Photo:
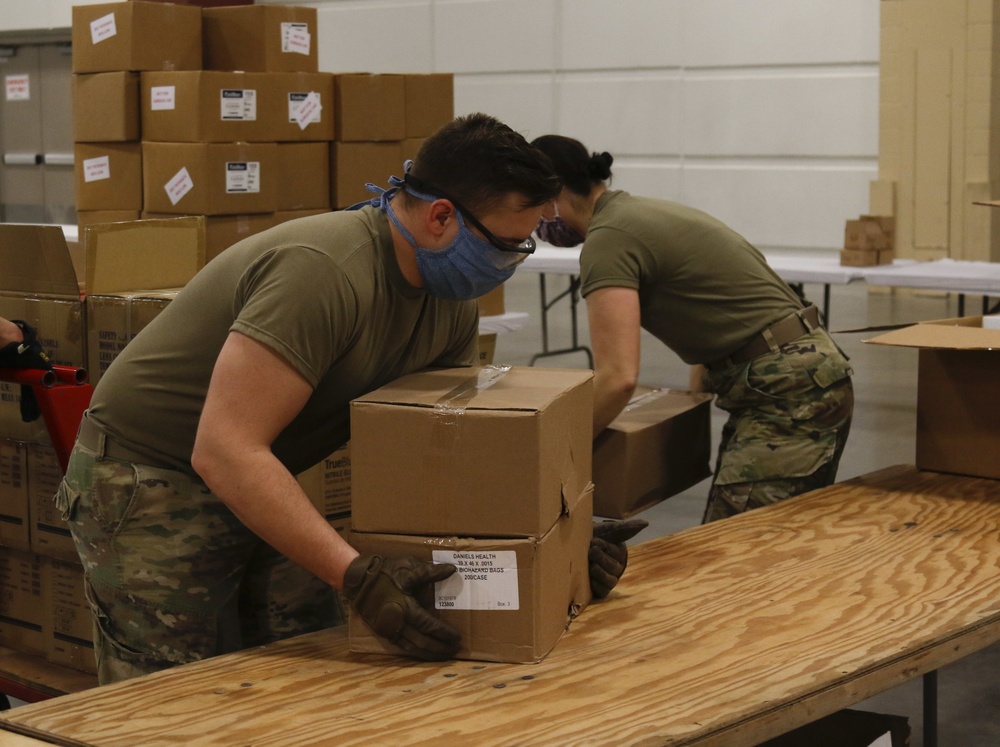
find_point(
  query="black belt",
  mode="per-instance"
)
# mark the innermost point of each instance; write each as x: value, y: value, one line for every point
x: 768, y: 340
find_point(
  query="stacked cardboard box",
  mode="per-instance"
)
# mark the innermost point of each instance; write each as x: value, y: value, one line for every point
x: 164, y: 125
x: 112, y: 42
x: 496, y: 480
x: 40, y: 285
x: 868, y: 241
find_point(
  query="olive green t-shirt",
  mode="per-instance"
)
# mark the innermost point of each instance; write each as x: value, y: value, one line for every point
x: 704, y: 290
x: 326, y: 294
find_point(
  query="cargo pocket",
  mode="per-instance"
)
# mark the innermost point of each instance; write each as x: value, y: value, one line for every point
x: 829, y: 371
x: 134, y: 636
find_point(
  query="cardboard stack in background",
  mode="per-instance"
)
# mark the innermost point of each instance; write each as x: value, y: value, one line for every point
x: 868, y: 241
x: 40, y: 285
x: 487, y: 468
x: 165, y: 126
x: 112, y: 43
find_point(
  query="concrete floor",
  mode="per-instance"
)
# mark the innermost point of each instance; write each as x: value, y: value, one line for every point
x: 882, y: 435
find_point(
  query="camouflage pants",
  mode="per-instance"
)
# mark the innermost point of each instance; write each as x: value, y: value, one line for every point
x: 172, y: 576
x: 789, y: 416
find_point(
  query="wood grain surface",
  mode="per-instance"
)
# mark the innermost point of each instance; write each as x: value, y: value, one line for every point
x: 726, y: 634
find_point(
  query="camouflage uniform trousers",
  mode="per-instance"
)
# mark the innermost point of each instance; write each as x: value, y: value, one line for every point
x: 789, y: 417
x: 172, y: 576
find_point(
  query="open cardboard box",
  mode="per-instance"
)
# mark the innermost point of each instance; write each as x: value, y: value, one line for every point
x: 957, y: 385
x: 133, y: 270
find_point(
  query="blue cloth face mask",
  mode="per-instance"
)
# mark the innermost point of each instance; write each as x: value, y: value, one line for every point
x: 469, y: 267
x: 558, y: 232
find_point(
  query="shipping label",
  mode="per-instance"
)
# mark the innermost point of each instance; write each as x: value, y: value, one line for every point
x: 95, y: 169
x: 238, y: 105
x: 485, y: 580
x: 179, y: 185
x: 242, y: 177
x: 304, y: 108
x: 295, y: 38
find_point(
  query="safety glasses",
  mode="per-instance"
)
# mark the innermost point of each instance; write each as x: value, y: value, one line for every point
x: 525, y: 248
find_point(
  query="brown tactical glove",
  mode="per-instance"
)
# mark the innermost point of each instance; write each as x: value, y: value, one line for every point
x: 608, y: 554
x: 393, y: 596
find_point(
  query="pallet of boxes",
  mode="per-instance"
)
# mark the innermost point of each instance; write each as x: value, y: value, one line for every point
x: 869, y: 240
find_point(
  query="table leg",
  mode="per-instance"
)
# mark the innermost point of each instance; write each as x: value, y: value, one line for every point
x: 930, y: 709
x: 573, y: 292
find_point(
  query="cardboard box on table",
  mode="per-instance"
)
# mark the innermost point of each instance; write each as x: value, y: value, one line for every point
x: 957, y: 386
x: 274, y: 38
x: 658, y: 446
x: 472, y: 452
x: 106, y: 107
x: 134, y: 270
x: 136, y: 36
x: 222, y: 231
x: 511, y: 599
x: 86, y: 218
x: 38, y: 283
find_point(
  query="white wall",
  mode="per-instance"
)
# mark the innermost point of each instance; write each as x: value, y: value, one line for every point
x: 763, y: 112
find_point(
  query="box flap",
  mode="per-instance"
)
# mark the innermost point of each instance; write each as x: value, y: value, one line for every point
x: 35, y: 259
x: 147, y: 254
x: 961, y: 333
x: 480, y: 388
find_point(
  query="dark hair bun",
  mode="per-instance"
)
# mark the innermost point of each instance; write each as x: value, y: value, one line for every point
x: 600, y: 165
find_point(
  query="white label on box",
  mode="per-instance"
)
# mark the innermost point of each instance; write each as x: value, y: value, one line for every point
x: 295, y: 38
x: 485, y: 580
x: 242, y: 177
x: 304, y: 108
x: 179, y: 185
x: 103, y: 28
x: 162, y: 98
x: 95, y: 169
x: 18, y: 87
x: 238, y: 105
x: 991, y: 322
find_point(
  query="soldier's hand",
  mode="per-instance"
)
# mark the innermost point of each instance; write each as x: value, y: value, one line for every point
x: 392, y: 594
x: 608, y: 555
x: 25, y: 354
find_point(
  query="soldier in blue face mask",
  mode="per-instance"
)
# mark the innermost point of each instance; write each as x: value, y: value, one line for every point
x: 180, y: 492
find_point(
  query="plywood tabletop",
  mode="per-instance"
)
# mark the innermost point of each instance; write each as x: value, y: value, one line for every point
x: 726, y: 634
